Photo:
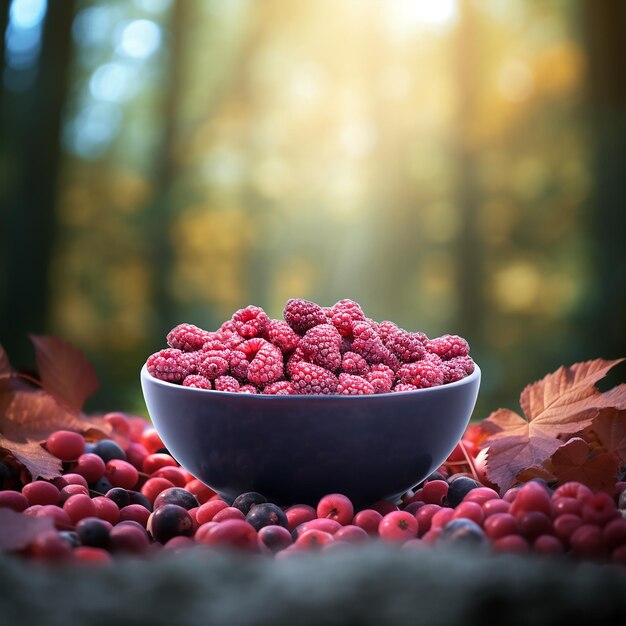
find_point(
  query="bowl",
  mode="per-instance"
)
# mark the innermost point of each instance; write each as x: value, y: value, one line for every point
x: 295, y: 449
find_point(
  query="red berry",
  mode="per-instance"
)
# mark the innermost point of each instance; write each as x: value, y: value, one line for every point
x: 176, y: 475
x: 87, y: 554
x: 13, y: 500
x: 587, y: 541
x: 129, y: 537
x: 90, y: 466
x: 251, y: 321
x: 65, y: 445
x: 79, y: 506
x: 425, y: 516
x: 197, y: 488
x: 72, y: 490
x: 448, y: 346
x: 548, y: 544
x: 197, y: 382
x: 258, y: 361
x: 151, y: 440
x: 481, y: 495
x: 337, y: 507
x: 325, y: 525
x: 121, y: 423
x: 353, y: 363
x: 599, y: 509
x: 299, y: 514
x: 441, y: 518
x: 350, y: 385
x: 511, y: 543
x: 532, y: 524
x: 121, y: 474
x: 368, y: 520
x: 234, y: 533
x: 532, y: 497
x: 136, y: 454
x: 381, y: 377
x: 398, y: 526
x: 500, y: 525
x: 60, y: 517
x: 615, y: 533
x: 408, y: 347
x: 41, y: 492
x: 106, y: 509
x: 351, y: 534
x: 302, y: 315
x: 187, y: 337
x: 170, y: 365
x: 208, y: 510
x: 573, y: 490
x: 282, y: 335
x: 154, y: 486
x: 422, y: 374
x: 435, y: 491
x: 321, y: 345
x: 469, y: 510
x: 566, y: 504
x: 229, y: 512
x: 280, y: 388
x: 50, y: 546
x: 313, y: 539
x: 565, y: 525
x: 312, y: 379
x: 153, y: 462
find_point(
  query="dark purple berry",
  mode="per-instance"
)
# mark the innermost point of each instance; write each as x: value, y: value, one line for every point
x: 463, y: 532
x: 176, y: 495
x: 459, y: 488
x: 120, y: 496
x: 170, y: 520
x: 266, y: 514
x: 93, y: 532
x: 136, y: 497
x: 102, y: 485
x: 107, y: 449
x: 275, y: 538
x: 246, y: 501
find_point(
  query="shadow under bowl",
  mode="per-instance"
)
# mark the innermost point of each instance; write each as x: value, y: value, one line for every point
x: 296, y: 449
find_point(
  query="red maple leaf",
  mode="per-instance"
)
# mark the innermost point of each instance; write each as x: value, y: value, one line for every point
x: 561, y: 404
x: 576, y: 461
x: 610, y: 429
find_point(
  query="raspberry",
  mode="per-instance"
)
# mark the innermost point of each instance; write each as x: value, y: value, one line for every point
x: 381, y: 378
x: 386, y: 328
x: 197, y: 382
x: 280, y: 388
x: 187, y: 337
x: 404, y: 387
x: 308, y: 378
x: 248, y: 389
x: 321, y: 345
x: 302, y: 315
x: 408, y: 347
x: 448, y: 346
x: 170, y: 364
x: 457, y: 368
x: 353, y: 363
x: 344, y: 314
x: 350, y: 385
x: 226, y: 383
x: 422, y: 374
x: 212, y: 364
x: 228, y: 335
x: 369, y: 345
x: 282, y: 335
x: 251, y: 321
x: 257, y: 360
x: 294, y: 359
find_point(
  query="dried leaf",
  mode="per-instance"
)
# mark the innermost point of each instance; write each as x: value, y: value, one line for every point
x: 35, y: 414
x: 563, y: 403
x: 575, y: 461
x: 39, y: 462
x: 64, y: 371
x: 19, y: 531
x: 610, y: 428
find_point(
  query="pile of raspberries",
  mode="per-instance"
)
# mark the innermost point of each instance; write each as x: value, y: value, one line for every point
x: 313, y: 350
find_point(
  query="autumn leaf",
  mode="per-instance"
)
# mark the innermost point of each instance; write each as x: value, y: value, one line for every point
x: 563, y: 403
x: 39, y: 462
x: 64, y: 371
x: 575, y: 461
x: 19, y: 531
x: 610, y: 428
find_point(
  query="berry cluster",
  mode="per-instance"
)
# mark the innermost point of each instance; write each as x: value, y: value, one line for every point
x: 134, y: 499
x: 313, y: 350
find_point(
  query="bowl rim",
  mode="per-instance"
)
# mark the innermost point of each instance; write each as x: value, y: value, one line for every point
x: 260, y: 397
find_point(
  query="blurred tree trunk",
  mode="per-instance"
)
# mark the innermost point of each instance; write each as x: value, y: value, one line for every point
x: 468, y: 260
x: 35, y: 117
x: 605, y: 26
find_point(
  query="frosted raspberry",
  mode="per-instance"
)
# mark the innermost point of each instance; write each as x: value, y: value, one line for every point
x: 251, y: 321
x: 248, y: 389
x: 448, y: 346
x: 350, y: 385
x: 344, y: 315
x: 369, y: 345
x: 212, y: 364
x: 294, y: 359
x: 424, y: 373
x: 381, y: 377
x: 457, y: 368
x: 226, y: 383
x: 346, y: 345
x: 386, y: 328
x: 187, y: 337
x: 308, y: 378
x: 303, y: 314
x: 215, y: 345
x: 353, y: 363
x: 280, y: 388
x: 197, y: 382
x: 404, y: 387
x: 228, y: 334
x: 257, y: 360
x: 321, y: 345
x: 328, y: 312
x: 282, y: 335
x: 170, y: 364
x: 408, y: 347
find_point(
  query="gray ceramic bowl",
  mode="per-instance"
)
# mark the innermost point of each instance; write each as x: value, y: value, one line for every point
x: 295, y: 449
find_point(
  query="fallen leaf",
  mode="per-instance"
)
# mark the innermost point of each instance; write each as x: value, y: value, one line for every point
x: 39, y: 462
x: 34, y: 414
x: 64, y: 371
x: 610, y: 428
x: 563, y: 403
x: 575, y: 461
x: 19, y: 530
